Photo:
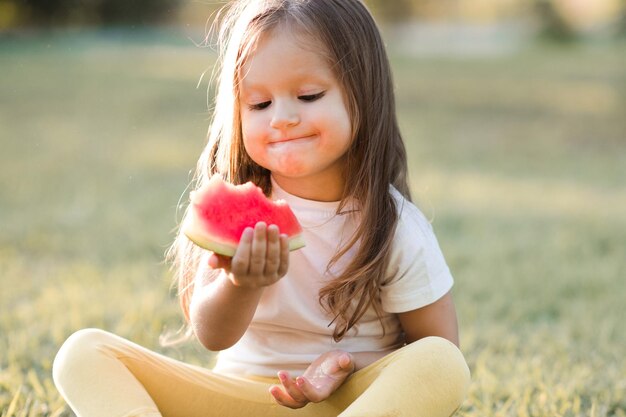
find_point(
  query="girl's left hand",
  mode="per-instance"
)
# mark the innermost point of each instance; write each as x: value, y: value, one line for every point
x: 318, y: 382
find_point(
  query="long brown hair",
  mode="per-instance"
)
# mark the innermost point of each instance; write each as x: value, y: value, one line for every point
x: 375, y: 160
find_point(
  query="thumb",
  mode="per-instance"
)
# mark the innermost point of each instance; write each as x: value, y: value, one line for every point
x: 345, y: 362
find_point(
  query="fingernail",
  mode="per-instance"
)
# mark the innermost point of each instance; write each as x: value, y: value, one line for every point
x: 300, y: 381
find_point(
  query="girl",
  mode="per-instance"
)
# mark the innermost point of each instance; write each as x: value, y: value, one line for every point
x: 360, y: 322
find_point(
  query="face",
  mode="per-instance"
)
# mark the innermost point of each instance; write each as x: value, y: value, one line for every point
x: 294, y: 117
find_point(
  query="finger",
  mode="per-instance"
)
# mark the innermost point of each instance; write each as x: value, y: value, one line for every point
x: 310, y: 392
x: 284, y: 256
x: 291, y: 388
x: 214, y: 261
x: 345, y: 362
x: 219, y: 261
x: 272, y: 258
x: 283, y: 398
x: 340, y: 364
x: 259, y: 249
x: 241, y: 260
x: 276, y: 393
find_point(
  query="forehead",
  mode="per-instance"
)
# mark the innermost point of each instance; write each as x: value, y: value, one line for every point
x: 286, y: 55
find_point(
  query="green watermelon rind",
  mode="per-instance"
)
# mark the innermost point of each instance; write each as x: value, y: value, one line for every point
x: 295, y: 242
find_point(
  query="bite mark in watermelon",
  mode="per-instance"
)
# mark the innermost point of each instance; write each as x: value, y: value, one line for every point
x: 220, y: 212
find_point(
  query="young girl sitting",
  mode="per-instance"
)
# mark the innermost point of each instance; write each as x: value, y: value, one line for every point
x: 359, y: 322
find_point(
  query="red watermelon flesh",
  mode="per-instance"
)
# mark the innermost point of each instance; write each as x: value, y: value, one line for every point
x: 220, y: 212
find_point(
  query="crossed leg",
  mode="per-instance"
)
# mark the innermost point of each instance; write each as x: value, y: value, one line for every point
x: 101, y: 374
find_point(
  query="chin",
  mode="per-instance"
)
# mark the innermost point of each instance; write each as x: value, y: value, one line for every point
x: 291, y: 171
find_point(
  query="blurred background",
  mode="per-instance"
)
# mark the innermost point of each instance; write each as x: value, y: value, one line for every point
x: 513, y: 115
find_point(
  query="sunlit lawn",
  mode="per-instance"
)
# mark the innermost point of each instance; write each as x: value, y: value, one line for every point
x: 519, y: 160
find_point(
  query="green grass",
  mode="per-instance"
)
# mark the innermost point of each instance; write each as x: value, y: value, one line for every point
x: 519, y: 160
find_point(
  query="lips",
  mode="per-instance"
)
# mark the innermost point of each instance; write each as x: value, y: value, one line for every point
x: 291, y: 139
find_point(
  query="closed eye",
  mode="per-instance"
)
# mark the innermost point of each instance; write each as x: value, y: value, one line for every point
x: 260, y: 106
x: 312, y: 97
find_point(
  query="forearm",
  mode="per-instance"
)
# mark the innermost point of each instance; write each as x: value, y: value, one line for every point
x: 363, y: 359
x: 220, y: 312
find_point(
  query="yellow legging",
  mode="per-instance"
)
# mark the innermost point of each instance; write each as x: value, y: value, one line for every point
x: 101, y: 374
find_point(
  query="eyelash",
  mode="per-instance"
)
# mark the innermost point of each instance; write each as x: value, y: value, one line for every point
x: 309, y: 98
x: 312, y: 97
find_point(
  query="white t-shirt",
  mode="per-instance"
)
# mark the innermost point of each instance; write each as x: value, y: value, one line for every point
x: 290, y: 328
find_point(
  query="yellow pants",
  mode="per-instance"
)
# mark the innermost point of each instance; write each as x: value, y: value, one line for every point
x: 101, y: 374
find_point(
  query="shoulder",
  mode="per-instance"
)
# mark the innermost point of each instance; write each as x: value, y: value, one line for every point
x: 413, y: 226
x: 417, y: 273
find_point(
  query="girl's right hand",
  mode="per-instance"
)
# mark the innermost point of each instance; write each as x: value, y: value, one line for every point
x: 261, y: 259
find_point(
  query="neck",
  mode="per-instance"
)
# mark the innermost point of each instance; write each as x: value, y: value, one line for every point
x: 317, y: 189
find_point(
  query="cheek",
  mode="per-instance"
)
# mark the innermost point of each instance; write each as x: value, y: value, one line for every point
x: 339, y: 128
x: 251, y: 135
x: 246, y: 127
x: 337, y: 120
x: 252, y: 148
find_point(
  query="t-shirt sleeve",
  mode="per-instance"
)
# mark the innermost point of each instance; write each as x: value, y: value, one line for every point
x: 417, y: 273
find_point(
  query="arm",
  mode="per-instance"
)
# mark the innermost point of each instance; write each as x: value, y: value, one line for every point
x: 223, y: 305
x: 220, y: 312
x: 436, y: 319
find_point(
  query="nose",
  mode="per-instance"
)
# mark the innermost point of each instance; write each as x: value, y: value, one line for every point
x: 285, y: 115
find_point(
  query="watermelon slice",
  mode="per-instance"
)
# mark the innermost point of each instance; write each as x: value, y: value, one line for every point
x: 220, y: 212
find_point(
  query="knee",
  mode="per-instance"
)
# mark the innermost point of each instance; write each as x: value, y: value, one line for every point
x: 447, y: 354
x: 444, y: 362
x: 78, y: 351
